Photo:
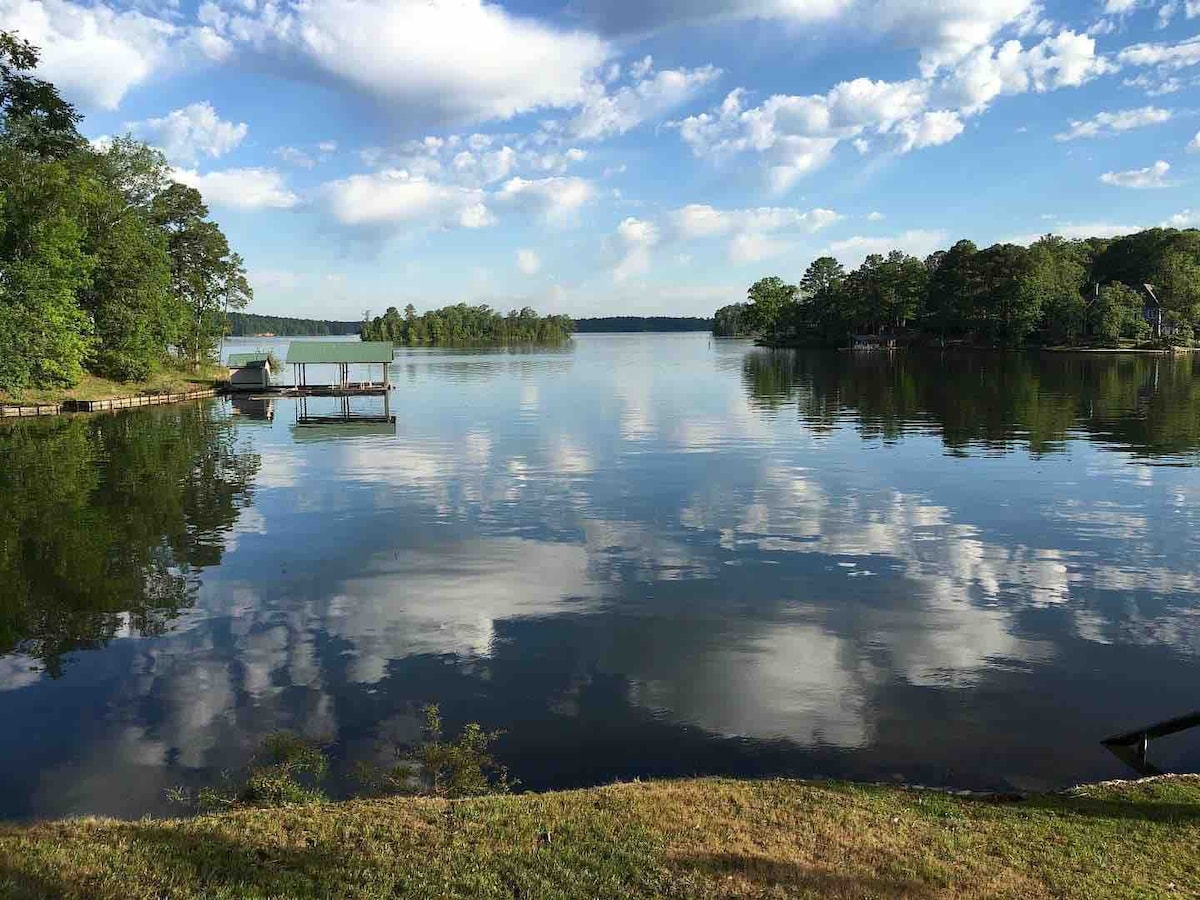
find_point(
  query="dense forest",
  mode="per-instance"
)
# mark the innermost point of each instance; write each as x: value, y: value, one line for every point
x: 1142, y: 287
x: 462, y: 325
x: 616, y: 324
x: 243, y: 324
x: 106, y: 264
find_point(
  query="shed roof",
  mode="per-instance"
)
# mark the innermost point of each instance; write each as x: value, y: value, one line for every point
x: 339, y: 352
x: 237, y: 360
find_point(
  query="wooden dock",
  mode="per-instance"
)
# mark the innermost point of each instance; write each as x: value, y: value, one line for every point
x: 135, y: 401
x: 36, y: 409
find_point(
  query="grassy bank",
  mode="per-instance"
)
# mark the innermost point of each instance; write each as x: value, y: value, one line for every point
x: 166, y: 380
x: 700, y: 838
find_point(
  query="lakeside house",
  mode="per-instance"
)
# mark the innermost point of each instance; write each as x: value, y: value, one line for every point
x: 1152, y: 312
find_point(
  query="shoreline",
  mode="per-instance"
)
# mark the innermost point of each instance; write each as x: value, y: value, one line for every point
x: 92, y: 394
x: 699, y: 837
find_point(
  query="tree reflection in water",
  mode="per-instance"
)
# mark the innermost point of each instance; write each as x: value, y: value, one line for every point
x: 108, y: 519
x: 1146, y: 404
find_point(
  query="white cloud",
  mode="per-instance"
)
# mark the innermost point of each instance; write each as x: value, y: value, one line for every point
x: 1163, y: 55
x: 557, y: 199
x: 1188, y: 218
x: 655, y: 93
x: 917, y: 242
x: 795, y: 135
x: 393, y: 198
x: 295, y: 157
x: 1194, y: 145
x: 931, y: 129
x: 1078, y: 231
x: 437, y: 60
x: 476, y: 160
x: 947, y: 30
x: 96, y: 53
x: 528, y: 262
x: 191, y: 132
x: 698, y: 220
x: 637, y: 238
x: 1064, y: 60
x: 1150, y: 177
x: 875, y: 216
x: 943, y: 31
x: 246, y: 189
x: 637, y: 16
x: 749, y: 230
x: 1104, y: 123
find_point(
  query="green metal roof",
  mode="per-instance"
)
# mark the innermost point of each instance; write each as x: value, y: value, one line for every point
x: 237, y: 360
x: 339, y: 352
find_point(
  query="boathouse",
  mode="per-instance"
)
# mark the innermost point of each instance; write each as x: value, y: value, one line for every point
x: 342, y: 355
x: 249, y: 371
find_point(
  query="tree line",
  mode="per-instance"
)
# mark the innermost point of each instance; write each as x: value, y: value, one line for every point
x: 463, y: 325
x: 243, y: 324
x: 107, y: 265
x: 631, y: 324
x: 1099, y: 291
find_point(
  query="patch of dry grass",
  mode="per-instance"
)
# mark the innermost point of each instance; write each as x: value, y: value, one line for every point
x: 696, y: 838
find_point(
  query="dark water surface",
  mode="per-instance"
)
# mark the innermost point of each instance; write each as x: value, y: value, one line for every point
x: 641, y: 556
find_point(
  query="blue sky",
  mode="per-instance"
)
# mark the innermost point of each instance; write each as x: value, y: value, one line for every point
x: 633, y: 156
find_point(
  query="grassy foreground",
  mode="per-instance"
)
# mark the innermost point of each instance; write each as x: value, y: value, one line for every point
x: 699, y: 838
x: 166, y: 380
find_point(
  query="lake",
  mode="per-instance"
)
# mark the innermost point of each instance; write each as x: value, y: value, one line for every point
x: 639, y: 556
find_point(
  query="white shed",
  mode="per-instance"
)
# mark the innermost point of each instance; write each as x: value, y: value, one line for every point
x: 249, y: 371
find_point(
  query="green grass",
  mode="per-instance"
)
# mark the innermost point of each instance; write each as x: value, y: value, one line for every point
x: 694, y: 838
x: 166, y: 380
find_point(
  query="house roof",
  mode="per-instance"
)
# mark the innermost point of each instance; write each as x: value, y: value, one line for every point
x: 237, y: 360
x: 339, y: 352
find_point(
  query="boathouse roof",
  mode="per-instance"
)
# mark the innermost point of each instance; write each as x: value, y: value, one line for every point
x: 317, y: 352
x: 237, y: 360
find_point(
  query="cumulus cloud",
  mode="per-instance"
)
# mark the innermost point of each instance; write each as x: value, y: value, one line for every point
x: 948, y: 30
x: 1194, y: 145
x: 191, y: 132
x: 556, y: 199
x: 245, y: 189
x: 437, y: 60
x: 1188, y: 218
x: 392, y: 198
x: 1105, y: 123
x: 1065, y: 60
x: 929, y: 130
x: 528, y: 262
x: 96, y: 53
x: 1154, y: 176
x: 637, y: 238
x: 607, y: 114
x: 795, y: 135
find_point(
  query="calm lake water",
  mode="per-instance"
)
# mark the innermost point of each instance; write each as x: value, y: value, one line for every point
x: 639, y: 555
